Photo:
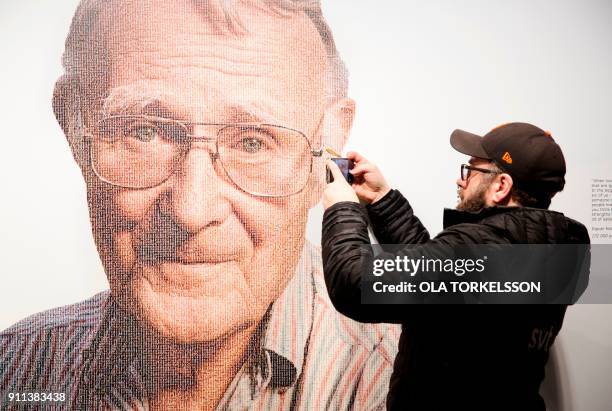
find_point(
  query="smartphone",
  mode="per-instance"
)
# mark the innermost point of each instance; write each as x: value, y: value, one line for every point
x: 344, y: 164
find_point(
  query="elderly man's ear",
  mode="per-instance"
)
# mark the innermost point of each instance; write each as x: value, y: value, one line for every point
x: 68, y: 114
x: 335, y: 130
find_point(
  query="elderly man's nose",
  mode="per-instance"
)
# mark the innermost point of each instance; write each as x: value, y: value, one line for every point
x: 196, y: 199
x: 461, y: 183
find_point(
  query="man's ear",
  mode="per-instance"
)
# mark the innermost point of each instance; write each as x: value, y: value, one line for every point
x: 337, y: 123
x: 501, y: 190
x: 334, y: 132
x: 67, y: 110
x: 62, y: 93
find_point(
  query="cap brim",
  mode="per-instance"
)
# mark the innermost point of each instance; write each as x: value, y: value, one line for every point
x: 468, y: 143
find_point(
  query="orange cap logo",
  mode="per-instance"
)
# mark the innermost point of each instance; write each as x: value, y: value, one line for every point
x: 507, y: 158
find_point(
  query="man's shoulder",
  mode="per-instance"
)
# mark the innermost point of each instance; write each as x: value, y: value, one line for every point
x: 82, y: 314
x: 504, y: 224
x: 47, y: 344
x: 372, y: 337
x: 536, y: 225
x: 511, y: 224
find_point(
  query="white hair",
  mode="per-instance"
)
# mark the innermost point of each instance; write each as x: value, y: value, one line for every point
x: 84, y: 40
x: 85, y: 59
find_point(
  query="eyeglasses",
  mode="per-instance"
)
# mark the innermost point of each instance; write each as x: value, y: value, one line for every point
x: 143, y: 151
x: 466, y: 171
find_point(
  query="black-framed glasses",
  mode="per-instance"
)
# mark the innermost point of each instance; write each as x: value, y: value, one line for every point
x: 140, y: 151
x: 466, y: 171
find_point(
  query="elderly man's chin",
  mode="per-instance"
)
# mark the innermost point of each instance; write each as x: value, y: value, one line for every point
x: 190, y: 303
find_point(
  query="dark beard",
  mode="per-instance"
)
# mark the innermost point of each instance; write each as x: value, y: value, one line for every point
x: 475, y: 202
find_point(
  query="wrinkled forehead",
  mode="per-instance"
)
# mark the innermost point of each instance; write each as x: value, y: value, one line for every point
x: 189, y: 53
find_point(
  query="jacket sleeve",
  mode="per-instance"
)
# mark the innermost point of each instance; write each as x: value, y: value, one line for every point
x: 345, y: 232
x: 346, y: 255
x: 394, y: 222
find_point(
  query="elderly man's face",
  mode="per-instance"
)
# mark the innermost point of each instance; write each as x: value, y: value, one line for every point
x: 197, y: 257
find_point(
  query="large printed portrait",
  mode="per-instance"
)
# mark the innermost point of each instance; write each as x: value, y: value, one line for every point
x: 199, y: 128
x: 160, y: 160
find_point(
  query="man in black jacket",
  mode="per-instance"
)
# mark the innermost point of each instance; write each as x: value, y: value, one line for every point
x: 469, y: 356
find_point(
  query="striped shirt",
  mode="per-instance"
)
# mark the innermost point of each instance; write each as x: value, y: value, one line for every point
x: 310, y: 357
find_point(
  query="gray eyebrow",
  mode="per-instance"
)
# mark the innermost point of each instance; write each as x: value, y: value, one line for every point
x: 127, y: 100
x: 131, y: 100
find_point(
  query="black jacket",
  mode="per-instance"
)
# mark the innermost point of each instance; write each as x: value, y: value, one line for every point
x: 451, y: 356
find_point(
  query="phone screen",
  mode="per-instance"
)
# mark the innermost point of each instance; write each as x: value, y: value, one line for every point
x: 344, y: 164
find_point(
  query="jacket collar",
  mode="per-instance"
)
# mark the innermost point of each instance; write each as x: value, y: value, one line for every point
x: 453, y: 216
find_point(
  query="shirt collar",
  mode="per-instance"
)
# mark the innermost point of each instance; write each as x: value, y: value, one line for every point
x: 110, y: 354
x: 112, y: 348
x: 290, y: 323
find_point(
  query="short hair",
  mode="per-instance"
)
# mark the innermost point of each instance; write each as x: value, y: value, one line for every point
x: 78, y: 47
x: 522, y: 197
x: 85, y: 59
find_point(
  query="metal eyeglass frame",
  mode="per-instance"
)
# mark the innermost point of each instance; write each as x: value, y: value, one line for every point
x: 471, y: 168
x: 214, y: 156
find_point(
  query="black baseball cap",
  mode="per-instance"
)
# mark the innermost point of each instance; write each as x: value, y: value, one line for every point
x: 529, y: 154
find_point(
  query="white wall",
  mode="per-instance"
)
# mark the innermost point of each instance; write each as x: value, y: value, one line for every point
x: 418, y: 69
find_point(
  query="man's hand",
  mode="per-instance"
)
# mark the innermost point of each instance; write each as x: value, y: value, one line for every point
x: 368, y: 183
x: 338, y: 190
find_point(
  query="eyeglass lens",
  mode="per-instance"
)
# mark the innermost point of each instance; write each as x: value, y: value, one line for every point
x: 137, y: 152
x: 465, y: 172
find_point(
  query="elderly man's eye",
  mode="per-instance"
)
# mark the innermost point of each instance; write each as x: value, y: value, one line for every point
x: 250, y: 141
x: 143, y: 133
x: 251, y: 144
